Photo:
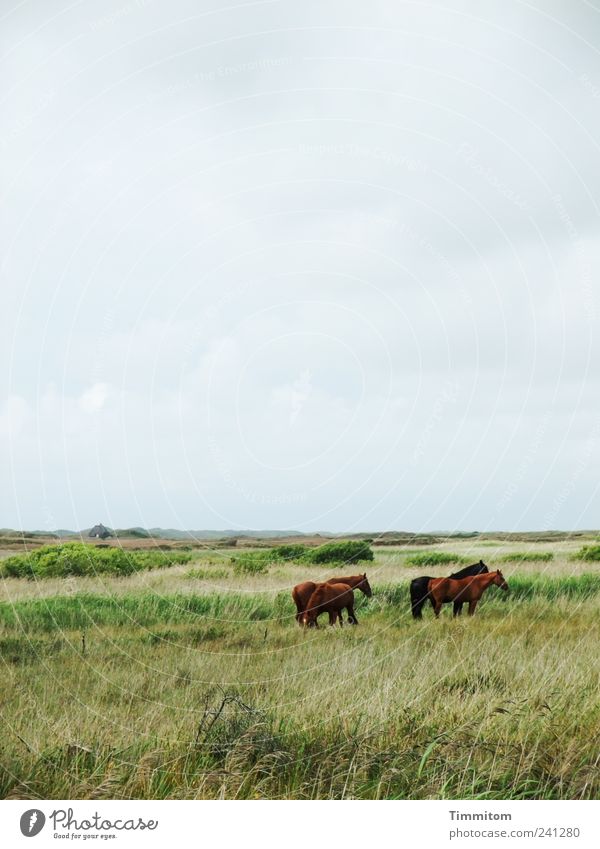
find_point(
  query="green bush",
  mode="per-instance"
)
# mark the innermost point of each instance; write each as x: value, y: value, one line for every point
x: 434, y: 558
x: 77, y: 558
x: 528, y: 557
x: 345, y: 551
x: 588, y: 552
x: 258, y: 562
x: 252, y: 562
x: 288, y: 552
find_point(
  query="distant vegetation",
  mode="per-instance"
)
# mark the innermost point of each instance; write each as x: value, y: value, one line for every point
x: 588, y: 552
x: 289, y: 552
x: 434, y: 558
x: 343, y: 552
x: 77, y: 558
x: 528, y: 557
x: 348, y: 551
x: 253, y: 562
x: 131, y: 533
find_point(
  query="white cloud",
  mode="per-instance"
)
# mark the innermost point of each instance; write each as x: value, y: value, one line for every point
x: 246, y: 254
x: 94, y: 398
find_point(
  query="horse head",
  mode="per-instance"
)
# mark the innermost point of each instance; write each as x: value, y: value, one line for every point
x: 500, y: 581
x: 365, y: 586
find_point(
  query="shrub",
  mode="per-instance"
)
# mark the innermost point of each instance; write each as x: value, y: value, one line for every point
x: 528, y: 557
x: 252, y: 563
x: 77, y: 558
x: 131, y: 533
x: 288, y: 552
x: 346, y: 551
x: 434, y: 558
x: 588, y: 552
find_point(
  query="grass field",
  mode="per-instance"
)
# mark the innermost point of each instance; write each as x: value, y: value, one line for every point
x: 194, y: 681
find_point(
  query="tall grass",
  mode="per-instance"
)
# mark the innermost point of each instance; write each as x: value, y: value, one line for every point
x: 528, y: 557
x: 434, y: 558
x: 503, y: 705
x: 193, y: 694
x: 146, y: 609
x: 588, y: 552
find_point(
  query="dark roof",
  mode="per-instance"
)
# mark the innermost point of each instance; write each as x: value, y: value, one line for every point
x: 100, y: 531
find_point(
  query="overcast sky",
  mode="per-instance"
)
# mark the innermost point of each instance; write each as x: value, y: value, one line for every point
x: 314, y: 265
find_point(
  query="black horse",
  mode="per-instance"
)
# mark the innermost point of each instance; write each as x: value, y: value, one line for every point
x: 419, y: 593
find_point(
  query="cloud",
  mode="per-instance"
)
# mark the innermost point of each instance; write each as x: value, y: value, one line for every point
x: 94, y: 398
x: 249, y: 250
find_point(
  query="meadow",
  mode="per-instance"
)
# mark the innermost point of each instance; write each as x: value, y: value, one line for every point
x: 193, y: 681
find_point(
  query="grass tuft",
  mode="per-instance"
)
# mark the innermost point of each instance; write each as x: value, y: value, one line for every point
x: 527, y: 557
x: 433, y: 558
x: 588, y: 552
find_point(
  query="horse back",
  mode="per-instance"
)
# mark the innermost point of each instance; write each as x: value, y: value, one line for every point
x: 331, y: 595
x: 438, y: 585
x: 351, y: 580
x: 302, y: 593
x: 463, y: 589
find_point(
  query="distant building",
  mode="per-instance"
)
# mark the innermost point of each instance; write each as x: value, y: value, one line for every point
x: 100, y: 532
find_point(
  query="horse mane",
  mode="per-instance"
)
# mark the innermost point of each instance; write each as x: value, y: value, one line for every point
x: 356, y: 579
x: 475, y: 569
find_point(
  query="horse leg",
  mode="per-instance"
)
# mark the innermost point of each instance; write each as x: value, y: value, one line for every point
x: 458, y: 608
x: 352, y: 616
x: 472, y: 606
x: 437, y: 606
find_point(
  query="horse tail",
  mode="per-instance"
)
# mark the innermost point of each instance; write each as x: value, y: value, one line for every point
x: 419, y: 593
x: 298, y: 602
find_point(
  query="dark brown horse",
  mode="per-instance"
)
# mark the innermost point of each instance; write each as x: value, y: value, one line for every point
x: 463, y: 590
x: 419, y: 594
x: 331, y: 599
x: 302, y: 592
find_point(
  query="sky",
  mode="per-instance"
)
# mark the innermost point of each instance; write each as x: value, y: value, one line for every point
x: 328, y: 265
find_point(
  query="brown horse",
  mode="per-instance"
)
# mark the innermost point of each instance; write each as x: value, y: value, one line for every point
x: 302, y: 592
x: 331, y: 599
x: 464, y: 589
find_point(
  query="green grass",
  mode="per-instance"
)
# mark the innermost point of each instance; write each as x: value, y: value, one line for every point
x: 86, y: 610
x: 344, y: 552
x: 434, y: 558
x: 76, y: 558
x: 252, y: 562
x: 588, y: 552
x: 190, y: 692
x: 527, y: 557
x: 145, y: 609
x: 196, y: 704
x: 211, y: 574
